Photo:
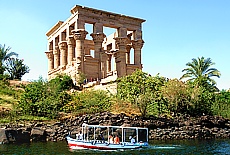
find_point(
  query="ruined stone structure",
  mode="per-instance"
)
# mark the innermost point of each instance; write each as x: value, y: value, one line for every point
x: 70, y: 52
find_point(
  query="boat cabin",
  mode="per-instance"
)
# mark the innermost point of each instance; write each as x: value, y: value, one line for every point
x: 109, y: 134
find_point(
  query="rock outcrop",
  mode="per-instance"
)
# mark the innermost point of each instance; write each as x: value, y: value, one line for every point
x: 179, y: 127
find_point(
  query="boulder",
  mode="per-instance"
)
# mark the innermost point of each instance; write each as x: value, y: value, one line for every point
x: 3, y: 137
x: 38, y: 134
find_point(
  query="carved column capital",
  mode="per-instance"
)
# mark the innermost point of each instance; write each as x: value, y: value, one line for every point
x: 70, y: 40
x: 49, y: 54
x: 62, y: 45
x: 56, y: 51
x: 109, y: 56
x: 137, y: 43
x: 79, y: 34
x: 128, y: 48
x: 98, y: 37
x: 121, y: 41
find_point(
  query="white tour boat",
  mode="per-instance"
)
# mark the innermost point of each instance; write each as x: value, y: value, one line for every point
x: 109, y: 138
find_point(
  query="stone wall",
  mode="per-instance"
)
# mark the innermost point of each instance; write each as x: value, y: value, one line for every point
x: 73, y: 49
x: 181, y: 127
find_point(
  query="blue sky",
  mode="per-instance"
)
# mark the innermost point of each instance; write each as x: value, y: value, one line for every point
x: 175, y: 31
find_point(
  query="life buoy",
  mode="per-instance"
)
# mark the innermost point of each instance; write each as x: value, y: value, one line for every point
x: 93, y: 142
x: 122, y: 144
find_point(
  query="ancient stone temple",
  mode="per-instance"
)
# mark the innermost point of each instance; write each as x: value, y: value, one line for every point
x: 101, y: 57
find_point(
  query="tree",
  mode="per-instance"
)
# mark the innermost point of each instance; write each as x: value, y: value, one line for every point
x: 61, y: 82
x: 16, y: 68
x: 199, y: 71
x: 182, y: 97
x: 142, y: 90
x: 221, y: 106
x: 81, y: 78
x: 4, y: 55
x: 42, y: 98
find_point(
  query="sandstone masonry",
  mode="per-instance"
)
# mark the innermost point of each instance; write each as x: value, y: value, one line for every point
x: 102, y: 57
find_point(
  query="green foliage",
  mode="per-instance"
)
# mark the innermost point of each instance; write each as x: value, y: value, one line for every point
x: 6, y: 89
x: 199, y: 71
x: 141, y: 89
x: 4, y: 55
x: 89, y: 101
x: 178, y: 96
x: 4, y: 77
x: 81, y: 79
x: 221, y: 106
x: 204, y: 102
x: 42, y: 98
x: 9, y: 97
x: 16, y: 68
x: 61, y: 83
x: 2, y: 68
x: 187, y: 98
x: 151, y: 95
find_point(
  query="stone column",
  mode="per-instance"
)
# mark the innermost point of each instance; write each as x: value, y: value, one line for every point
x: 98, y: 38
x: 56, y: 53
x: 120, y: 57
x: 71, y: 44
x: 87, y: 51
x: 63, y: 53
x: 79, y: 35
x: 50, y: 57
x: 128, y: 48
x: 137, y: 45
x: 108, y: 63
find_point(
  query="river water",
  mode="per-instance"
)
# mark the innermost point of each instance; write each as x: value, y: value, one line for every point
x: 180, y: 147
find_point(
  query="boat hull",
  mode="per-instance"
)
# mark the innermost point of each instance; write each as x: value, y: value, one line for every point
x: 98, y: 145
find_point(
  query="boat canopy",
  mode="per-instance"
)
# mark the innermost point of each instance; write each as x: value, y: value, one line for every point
x: 125, y: 134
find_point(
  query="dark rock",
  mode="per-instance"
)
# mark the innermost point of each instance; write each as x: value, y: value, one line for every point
x: 38, y: 134
x: 11, y: 135
x: 179, y: 127
x: 3, y: 137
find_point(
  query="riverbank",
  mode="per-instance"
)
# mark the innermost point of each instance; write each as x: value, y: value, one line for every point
x: 179, y: 127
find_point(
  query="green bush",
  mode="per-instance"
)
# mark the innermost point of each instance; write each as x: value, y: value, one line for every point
x: 221, y: 106
x: 61, y: 83
x: 204, y: 103
x: 89, y: 101
x: 45, y: 99
x: 142, y: 90
x: 6, y: 89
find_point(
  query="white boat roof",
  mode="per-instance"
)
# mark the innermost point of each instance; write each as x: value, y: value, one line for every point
x: 107, y: 126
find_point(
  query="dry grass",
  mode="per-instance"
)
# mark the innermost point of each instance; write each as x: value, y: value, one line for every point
x: 126, y: 108
x: 18, y: 83
x: 7, y: 101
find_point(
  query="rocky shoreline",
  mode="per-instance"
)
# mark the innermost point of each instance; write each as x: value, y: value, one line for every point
x: 179, y: 127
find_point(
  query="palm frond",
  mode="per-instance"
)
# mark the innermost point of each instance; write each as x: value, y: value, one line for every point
x: 199, y: 70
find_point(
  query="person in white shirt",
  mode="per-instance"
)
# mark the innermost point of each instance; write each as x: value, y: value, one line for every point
x: 132, y: 139
x: 79, y: 136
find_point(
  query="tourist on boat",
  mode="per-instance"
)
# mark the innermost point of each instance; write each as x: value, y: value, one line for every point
x: 79, y: 136
x: 111, y: 139
x: 116, y: 140
x: 133, y: 140
x: 100, y: 137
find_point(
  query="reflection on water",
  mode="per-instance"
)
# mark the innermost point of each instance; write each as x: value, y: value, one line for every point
x: 156, y: 147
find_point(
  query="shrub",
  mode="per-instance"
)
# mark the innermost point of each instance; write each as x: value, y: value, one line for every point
x: 46, y: 99
x: 143, y: 90
x: 89, y: 101
x: 221, y: 106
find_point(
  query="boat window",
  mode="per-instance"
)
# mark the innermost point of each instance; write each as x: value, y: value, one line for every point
x: 142, y: 135
x: 128, y: 133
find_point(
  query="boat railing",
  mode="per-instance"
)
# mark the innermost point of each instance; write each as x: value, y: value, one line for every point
x: 90, y: 133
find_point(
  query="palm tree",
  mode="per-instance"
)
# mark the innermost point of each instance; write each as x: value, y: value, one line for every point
x: 4, y: 55
x: 199, y: 71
